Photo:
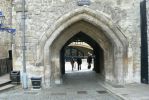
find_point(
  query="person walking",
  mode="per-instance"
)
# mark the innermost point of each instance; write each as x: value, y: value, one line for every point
x: 89, y: 61
x: 72, y: 62
x: 79, y: 61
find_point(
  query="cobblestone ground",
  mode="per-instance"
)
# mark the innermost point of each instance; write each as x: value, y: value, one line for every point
x: 77, y: 85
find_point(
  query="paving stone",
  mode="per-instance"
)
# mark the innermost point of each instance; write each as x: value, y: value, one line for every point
x: 85, y: 87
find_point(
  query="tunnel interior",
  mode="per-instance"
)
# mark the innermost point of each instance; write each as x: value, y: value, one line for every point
x: 97, y: 52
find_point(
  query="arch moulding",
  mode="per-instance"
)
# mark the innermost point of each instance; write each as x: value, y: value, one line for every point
x: 96, y: 18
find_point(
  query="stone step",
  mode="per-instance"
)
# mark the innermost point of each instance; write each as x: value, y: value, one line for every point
x: 6, y: 87
x: 4, y: 82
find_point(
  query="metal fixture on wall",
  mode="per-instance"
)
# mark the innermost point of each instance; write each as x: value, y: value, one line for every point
x: 83, y: 2
x: 24, y: 74
x: 144, y: 43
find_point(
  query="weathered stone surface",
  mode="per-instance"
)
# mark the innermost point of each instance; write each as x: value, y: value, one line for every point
x: 45, y: 19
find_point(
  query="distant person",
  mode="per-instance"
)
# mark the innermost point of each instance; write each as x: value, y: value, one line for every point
x: 72, y: 62
x: 79, y: 61
x: 89, y: 61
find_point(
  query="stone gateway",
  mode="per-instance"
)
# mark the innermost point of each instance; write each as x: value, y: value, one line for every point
x: 110, y: 27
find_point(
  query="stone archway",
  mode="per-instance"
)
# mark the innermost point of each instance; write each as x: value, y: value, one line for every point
x: 97, y: 26
x: 97, y: 52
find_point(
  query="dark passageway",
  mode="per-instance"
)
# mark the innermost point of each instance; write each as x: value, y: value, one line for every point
x: 97, y: 52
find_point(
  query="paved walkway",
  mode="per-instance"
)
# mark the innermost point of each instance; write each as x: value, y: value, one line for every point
x: 81, y: 85
x: 77, y: 86
x: 132, y: 91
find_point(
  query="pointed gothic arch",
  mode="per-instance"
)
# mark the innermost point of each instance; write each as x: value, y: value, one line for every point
x: 96, y: 25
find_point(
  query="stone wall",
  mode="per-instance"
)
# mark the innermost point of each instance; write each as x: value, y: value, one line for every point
x: 5, y: 38
x: 42, y: 14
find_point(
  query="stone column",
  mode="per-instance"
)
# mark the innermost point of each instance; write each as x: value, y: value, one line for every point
x: 129, y: 76
x: 118, y: 63
x: 47, y: 67
x: 13, y: 54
